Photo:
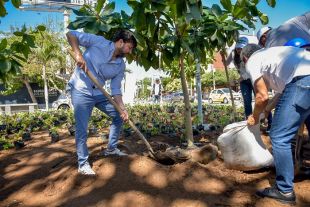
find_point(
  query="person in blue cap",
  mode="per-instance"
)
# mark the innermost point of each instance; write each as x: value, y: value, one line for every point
x: 104, y: 59
x: 245, y: 81
x: 284, y: 69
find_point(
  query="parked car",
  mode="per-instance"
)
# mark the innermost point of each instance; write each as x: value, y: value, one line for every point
x: 178, y: 97
x: 63, y: 102
x: 222, y: 95
x: 167, y: 98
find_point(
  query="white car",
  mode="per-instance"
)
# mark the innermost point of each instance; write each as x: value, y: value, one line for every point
x: 63, y: 102
x: 222, y: 95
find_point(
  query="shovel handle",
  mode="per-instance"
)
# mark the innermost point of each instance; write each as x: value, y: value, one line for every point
x: 111, y: 100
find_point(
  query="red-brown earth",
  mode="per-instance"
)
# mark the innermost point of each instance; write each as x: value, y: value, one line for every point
x: 45, y: 174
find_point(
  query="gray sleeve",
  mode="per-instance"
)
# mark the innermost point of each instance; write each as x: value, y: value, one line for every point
x: 304, y: 20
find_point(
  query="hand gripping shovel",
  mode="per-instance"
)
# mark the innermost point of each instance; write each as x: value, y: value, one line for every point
x: 159, y: 155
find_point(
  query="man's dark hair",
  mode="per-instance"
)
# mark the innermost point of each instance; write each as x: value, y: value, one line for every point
x: 126, y: 36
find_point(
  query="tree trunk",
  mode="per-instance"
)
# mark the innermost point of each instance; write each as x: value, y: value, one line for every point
x: 187, y: 109
x: 45, y: 87
x: 198, y: 91
x: 30, y: 91
x: 230, y: 91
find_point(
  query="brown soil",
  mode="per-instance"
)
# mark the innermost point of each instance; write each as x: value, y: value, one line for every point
x: 45, y: 174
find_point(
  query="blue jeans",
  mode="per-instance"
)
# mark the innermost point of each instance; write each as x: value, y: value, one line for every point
x: 292, y: 109
x: 246, y: 91
x: 83, y: 105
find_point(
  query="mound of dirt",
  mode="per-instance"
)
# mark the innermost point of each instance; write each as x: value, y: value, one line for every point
x: 45, y: 174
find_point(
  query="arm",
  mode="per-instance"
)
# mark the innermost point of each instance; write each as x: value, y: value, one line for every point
x: 119, y: 101
x: 272, y: 103
x: 116, y: 92
x: 261, y: 100
x: 74, y: 43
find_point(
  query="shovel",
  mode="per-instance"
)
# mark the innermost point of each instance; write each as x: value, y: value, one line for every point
x: 159, y: 156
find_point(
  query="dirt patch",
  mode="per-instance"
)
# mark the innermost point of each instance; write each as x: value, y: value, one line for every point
x: 45, y: 174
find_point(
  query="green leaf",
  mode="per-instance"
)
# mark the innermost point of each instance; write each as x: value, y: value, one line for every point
x: 30, y: 40
x: 80, y: 12
x: 99, y: 5
x: 187, y: 47
x: 5, y: 66
x: 180, y: 8
x: 227, y: 5
x: 216, y: 10
x: 18, y: 34
x: 177, y: 48
x: 81, y: 22
x: 3, y: 44
x: 92, y: 27
x: 109, y: 8
x: 254, y: 11
x: 255, y: 2
x: 151, y: 24
x: 139, y: 17
x: 2, y: 10
x: 16, y: 3
x: 271, y: 3
x: 264, y: 19
x: 15, y: 67
x: 238, y: 12
x: 125, y: 16
x: 41, y: 28
x: 167, y: 57
x: 104, y: 27
x: 19, y: 57
x: 158, y: 5
x: 195, y: 11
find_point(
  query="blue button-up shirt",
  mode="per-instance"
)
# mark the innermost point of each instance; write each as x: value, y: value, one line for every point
x: 98, y: 58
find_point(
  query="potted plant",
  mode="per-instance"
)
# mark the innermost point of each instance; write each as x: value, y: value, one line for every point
x: 54, y: 134
x: 126, y: 130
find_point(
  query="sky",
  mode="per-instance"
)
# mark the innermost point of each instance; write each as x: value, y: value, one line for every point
x: 284, y: 10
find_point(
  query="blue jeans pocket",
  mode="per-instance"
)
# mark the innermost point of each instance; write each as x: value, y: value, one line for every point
x: 302, y: 93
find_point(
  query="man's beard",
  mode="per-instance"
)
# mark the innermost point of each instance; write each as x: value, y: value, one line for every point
x: 120, y: 55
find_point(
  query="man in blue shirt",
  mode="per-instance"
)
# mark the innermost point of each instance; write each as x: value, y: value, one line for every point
x: 104, y: 59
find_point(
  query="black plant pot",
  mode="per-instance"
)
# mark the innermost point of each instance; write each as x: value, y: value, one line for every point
x: 54, y: 137
x: 71, y: 130
x: 127, y: 132
x: 26, y: 136
x: 138, y: 125
x: 200, y: 127
x: 195, y: 132
x: 170, y: 109
x: 56, y: 123
x: 148, y: 134
x: 92, y: 131
x: 2, y: 127
x: 19, y: 144
x: 105, y: 137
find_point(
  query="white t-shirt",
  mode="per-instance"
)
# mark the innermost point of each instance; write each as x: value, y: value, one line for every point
x: 278, y: 65
x: 156, y: 89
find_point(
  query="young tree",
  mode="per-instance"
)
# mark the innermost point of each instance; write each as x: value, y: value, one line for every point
x: 47, y: 54
x: 165, y: 28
